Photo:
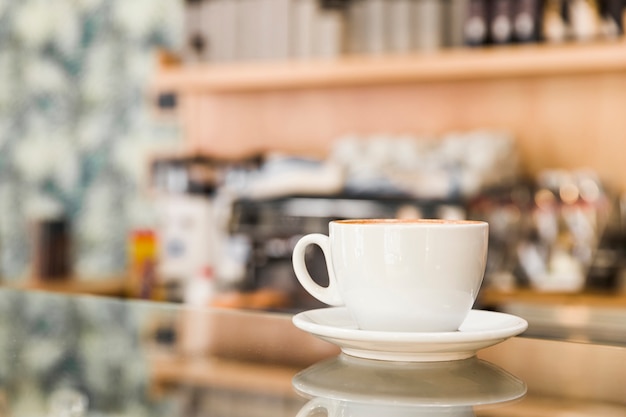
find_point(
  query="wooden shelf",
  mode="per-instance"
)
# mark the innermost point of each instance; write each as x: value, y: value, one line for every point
x: 446, y: 65
x: 114, y: 286
x: 563, y: 103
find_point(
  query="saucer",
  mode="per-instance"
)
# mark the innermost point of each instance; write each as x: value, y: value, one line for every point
x: 480, y: 329
x: 461, y: 383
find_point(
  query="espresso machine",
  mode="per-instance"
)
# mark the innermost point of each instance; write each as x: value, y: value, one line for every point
x: 273, y: 226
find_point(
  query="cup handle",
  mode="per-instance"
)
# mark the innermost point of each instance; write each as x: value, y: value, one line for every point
x: 329, y: 295
x: 317, y: 404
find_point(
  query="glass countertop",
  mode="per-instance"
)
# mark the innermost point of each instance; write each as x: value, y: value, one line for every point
x: 73, y: 355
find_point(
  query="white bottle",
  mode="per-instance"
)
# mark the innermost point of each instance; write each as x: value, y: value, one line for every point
x: 200, y: 289
x: 196, y: 324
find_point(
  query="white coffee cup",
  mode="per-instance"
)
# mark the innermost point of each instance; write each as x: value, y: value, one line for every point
x: 400, y: 275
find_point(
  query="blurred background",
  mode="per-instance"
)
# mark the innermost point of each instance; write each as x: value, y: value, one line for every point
x: 175, y: 151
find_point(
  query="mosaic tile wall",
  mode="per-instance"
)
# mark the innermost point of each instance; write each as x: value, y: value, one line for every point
x: 74, y: 124
x: 94, y: 349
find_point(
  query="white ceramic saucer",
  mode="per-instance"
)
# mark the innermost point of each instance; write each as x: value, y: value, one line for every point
x: 479, y: 330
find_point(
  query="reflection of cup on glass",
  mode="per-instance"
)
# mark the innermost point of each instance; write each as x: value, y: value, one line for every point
x: 335, y: 408
x: 52, y: 249
x: 67, y: 402
x: 348, y: 386
x: 400, y: 275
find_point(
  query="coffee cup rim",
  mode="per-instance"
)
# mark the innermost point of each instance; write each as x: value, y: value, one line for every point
x: 410, y: 222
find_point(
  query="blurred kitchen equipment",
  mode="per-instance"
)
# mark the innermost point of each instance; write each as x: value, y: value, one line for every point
x: 452, y: 166
x: 570, y: 215
x: 52, y: 259
x: 506, y: 210
x: 562, y: 232
x: 186, y: 226
x: 274, y: 225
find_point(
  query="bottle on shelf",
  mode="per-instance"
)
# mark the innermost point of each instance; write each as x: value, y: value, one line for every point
x: 501, y: 21
x: 195, y: 324
x: 200, y: 288
x: 526, y: 21
x: 142, y: 264
x: 475, y: 26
